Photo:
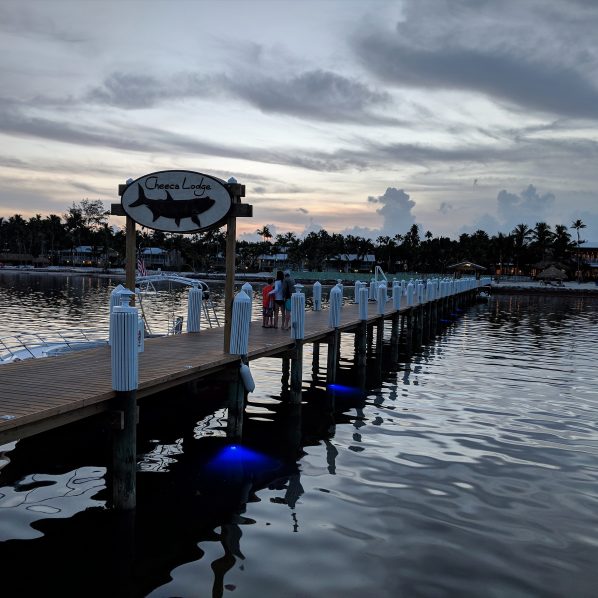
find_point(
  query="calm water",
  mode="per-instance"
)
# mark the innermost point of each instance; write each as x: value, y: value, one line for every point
x: 469, y: 468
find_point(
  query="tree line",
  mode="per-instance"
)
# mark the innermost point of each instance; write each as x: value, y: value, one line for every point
x: 520, y: 251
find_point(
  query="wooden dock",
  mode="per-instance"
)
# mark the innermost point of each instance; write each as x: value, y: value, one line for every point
x: 41, y: 394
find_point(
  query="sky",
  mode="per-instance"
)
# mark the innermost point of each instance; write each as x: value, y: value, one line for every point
x: 357, y: 116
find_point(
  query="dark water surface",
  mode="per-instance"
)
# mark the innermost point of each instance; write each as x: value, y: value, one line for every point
x: 468, y: 468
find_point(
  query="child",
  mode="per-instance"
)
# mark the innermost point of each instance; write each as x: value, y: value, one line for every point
x: 267, y: 304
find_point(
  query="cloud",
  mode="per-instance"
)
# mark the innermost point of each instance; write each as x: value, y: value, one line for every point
x: 395, y: 211
x: 485, y: 222
x: 312, y: 227
x: 312, y: 95
x: 17, y: 20
x: 521, y: 57
x: 527, y: 206
x: 124, y: 136
x: 445, y: 207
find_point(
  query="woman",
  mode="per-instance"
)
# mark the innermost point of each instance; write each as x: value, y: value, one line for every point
x: 278, y: 299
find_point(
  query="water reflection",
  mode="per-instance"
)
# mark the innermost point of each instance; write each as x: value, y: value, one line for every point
x: 467, y: 468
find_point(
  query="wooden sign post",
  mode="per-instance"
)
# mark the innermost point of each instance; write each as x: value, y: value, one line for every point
x: 237, y: 210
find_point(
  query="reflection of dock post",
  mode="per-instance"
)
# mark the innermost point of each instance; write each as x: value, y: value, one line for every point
x: 286, y: 373
x: 125, y: 377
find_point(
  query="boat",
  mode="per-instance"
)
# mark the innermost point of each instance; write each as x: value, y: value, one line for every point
x: 28, y: 345
x: 33, y: 345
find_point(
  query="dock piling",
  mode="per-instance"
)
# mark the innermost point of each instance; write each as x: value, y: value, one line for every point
x: 125, y: 379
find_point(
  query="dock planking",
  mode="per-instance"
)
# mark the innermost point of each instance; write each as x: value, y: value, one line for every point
x: 41, y: 394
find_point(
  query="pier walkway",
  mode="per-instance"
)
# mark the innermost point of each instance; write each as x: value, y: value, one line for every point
x: 41, y: 394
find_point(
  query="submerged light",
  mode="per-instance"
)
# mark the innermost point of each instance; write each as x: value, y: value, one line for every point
x: 236, y: 454
x: 347, y: 390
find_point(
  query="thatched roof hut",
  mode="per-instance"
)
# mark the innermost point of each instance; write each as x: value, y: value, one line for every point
x: 552, y: 273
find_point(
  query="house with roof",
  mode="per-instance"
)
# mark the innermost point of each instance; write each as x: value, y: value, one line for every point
x: 352, y: 262
x: 588, y: 257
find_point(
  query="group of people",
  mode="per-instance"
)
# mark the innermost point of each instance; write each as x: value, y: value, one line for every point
x: 276, y: 300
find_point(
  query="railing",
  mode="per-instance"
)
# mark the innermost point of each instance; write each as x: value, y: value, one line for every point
x: 24, y: 345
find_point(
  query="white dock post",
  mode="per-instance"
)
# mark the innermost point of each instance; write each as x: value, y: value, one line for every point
x: 381, y: 298
x: 194, y: 309
x: 317, y: 296
x: 114, y: 301
x: 239, y: 335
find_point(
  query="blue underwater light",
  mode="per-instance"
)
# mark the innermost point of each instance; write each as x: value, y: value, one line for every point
x: 236, y: 454
x: 345, y: 390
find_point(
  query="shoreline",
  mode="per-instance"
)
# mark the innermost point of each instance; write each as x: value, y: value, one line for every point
x: 503, y: 288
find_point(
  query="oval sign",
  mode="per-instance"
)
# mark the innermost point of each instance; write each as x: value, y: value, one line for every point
x: 177, y: 201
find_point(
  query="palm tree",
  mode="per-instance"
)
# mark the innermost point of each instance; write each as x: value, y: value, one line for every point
x: 521, y: 235
x: 561, y: 243
x: 578, y: 225
x: 264, y: 233
x: 542, y: 238
x: 386, y: 247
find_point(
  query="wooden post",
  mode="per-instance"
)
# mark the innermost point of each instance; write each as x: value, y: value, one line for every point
x: 394, y: 337
x: 238, y: 209
x: 379, y: 336
x: 236, y: 408
x: 361, y: 343
x: 125, y: 380
x: 297, y: 372
x: 131, y: 256
x: 229, y: 283
x: 333, y: 351
x: 124, y: 452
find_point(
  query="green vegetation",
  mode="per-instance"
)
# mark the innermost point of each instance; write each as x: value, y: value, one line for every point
x: 521, y: 251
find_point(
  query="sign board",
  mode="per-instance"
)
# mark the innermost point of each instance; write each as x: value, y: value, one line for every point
x: 177, y: 201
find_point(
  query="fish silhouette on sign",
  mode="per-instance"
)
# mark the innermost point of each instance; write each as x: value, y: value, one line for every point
x: 174, y: 209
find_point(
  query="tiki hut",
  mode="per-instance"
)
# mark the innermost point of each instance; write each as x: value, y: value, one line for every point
x: 552, y: 273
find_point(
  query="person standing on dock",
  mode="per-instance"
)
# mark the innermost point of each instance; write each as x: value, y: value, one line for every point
x: 278, y: 299
x: 288, y: 288
x: 267, y: 304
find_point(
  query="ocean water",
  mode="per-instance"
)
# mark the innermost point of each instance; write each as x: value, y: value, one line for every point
x: 468, y: 467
